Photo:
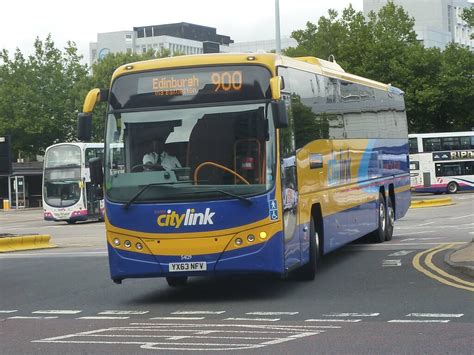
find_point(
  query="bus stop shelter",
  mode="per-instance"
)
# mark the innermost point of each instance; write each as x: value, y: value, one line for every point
x: 22, y: 188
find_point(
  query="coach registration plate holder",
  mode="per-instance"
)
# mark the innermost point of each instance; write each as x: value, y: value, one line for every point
x: 188, y: 266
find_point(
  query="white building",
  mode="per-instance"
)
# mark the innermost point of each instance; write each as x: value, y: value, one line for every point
x: 437, y: 22
x: 177, y: 38
x: 264, y: 45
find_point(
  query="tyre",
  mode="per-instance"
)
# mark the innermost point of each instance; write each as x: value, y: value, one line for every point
x: 177, y: 281
x: 452, y: 187
x: 390, y: 220
x: 378, y: 235
x: 308, y: 271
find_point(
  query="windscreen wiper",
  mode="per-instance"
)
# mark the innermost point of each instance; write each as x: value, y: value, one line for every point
x: 144, y: 188
x: 244, y: 199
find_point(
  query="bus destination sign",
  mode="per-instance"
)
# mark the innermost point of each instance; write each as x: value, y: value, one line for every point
x: 201, y: 85
x: 454, y: 155
x: 191, y: 84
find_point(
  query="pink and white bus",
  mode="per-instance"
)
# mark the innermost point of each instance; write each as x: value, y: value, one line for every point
x: 68, y: 194
x: 442, y: 162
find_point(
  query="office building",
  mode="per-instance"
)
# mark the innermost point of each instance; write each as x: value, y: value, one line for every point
x: 181, y: 37
x: 263, y: 45
x: 437, y: 22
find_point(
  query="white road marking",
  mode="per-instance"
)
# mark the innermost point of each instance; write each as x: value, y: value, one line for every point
x: 392, y: 263
x: 57, y: 312
x: 178, y: 318
x: 255, y: 319
x: 401, y: 253
x: 436, y: 315
x: 422, y: 243
x: 21, y: 317
x: 218, y: 338
x: 102, y: 318
x: 334, y: 320
x: 411, y: 239
x: 352, y: 315
x: 9, y: 311
x: 272, y: 313
x: 197, y: 312
x: 425, y: 224
x: 413, y: 233
x: 122, y: 312
x: 460, y: 217
x: 229, y: 325
x: 418, y: 321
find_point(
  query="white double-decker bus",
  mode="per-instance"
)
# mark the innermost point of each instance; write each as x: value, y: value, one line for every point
x: 68, y: 194
x: 442, y: 162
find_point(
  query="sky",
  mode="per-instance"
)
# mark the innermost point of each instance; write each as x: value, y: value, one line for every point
x: 21, y: 21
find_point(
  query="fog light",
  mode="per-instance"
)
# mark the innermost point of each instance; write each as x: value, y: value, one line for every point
x: 127, y: 244
x: 238, y: 241
x: 263, y: 235
x: 117, y: 241
x: 251, y: 238
x: 139, y: 246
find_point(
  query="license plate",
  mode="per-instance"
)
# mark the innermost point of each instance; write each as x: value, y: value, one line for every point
x: 189, y: 266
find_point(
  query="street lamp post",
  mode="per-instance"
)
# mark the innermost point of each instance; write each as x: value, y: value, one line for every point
x: 277, y: 27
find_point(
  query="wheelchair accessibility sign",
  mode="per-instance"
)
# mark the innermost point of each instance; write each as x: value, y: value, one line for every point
x: 273, y: 209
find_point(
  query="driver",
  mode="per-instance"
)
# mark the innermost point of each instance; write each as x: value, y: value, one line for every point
x: 159, y: 158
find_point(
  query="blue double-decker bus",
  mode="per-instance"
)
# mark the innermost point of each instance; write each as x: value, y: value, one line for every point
x: 245, y: 163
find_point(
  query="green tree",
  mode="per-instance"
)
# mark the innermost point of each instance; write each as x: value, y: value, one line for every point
x: 39, y: 96
x: 468, y: 16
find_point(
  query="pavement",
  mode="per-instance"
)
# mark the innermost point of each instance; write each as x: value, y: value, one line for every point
x: 462, y: 258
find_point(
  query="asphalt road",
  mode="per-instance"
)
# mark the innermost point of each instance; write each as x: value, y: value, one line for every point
x: 366, y: 299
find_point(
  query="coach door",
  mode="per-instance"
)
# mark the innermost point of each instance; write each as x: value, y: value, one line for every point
x: 290, y: 213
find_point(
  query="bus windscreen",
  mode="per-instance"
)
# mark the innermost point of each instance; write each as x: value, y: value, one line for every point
x: 190, y: 86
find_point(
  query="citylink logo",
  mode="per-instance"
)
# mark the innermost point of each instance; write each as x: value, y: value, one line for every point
x: 190, y: 218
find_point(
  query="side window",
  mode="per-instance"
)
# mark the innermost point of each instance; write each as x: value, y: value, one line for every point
x: 305, y: 88
x: 466, y: 142
x: 431, y: 144
x: 413, y: 142
x: 287, y: 135
x: 450, y: 143
x: 414, y: 165
x: 448, y: 169
x: 93, y: 153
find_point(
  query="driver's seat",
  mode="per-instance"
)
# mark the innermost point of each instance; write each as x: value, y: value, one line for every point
x: 212, y: 140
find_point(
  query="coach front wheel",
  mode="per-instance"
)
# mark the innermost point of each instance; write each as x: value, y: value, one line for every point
x: 378, y: 235
x: 390, y: 220
x: 177, y: 281
x: 308, y: 271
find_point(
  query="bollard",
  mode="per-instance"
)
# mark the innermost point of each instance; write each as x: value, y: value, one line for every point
x: 6, y: 205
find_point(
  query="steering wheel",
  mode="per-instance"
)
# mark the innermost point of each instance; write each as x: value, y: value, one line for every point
x: 217, y: 166
x: 152, y: 167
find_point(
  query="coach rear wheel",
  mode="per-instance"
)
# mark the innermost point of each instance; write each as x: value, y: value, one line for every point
x: 177, y: 281
x: 390, y: 220
x: 308, y: 271
x: 378, y: 235
x: 453, y: 187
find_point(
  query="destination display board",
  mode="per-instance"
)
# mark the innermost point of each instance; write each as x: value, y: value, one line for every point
x: 453, y: 155
x: 190, y: 86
